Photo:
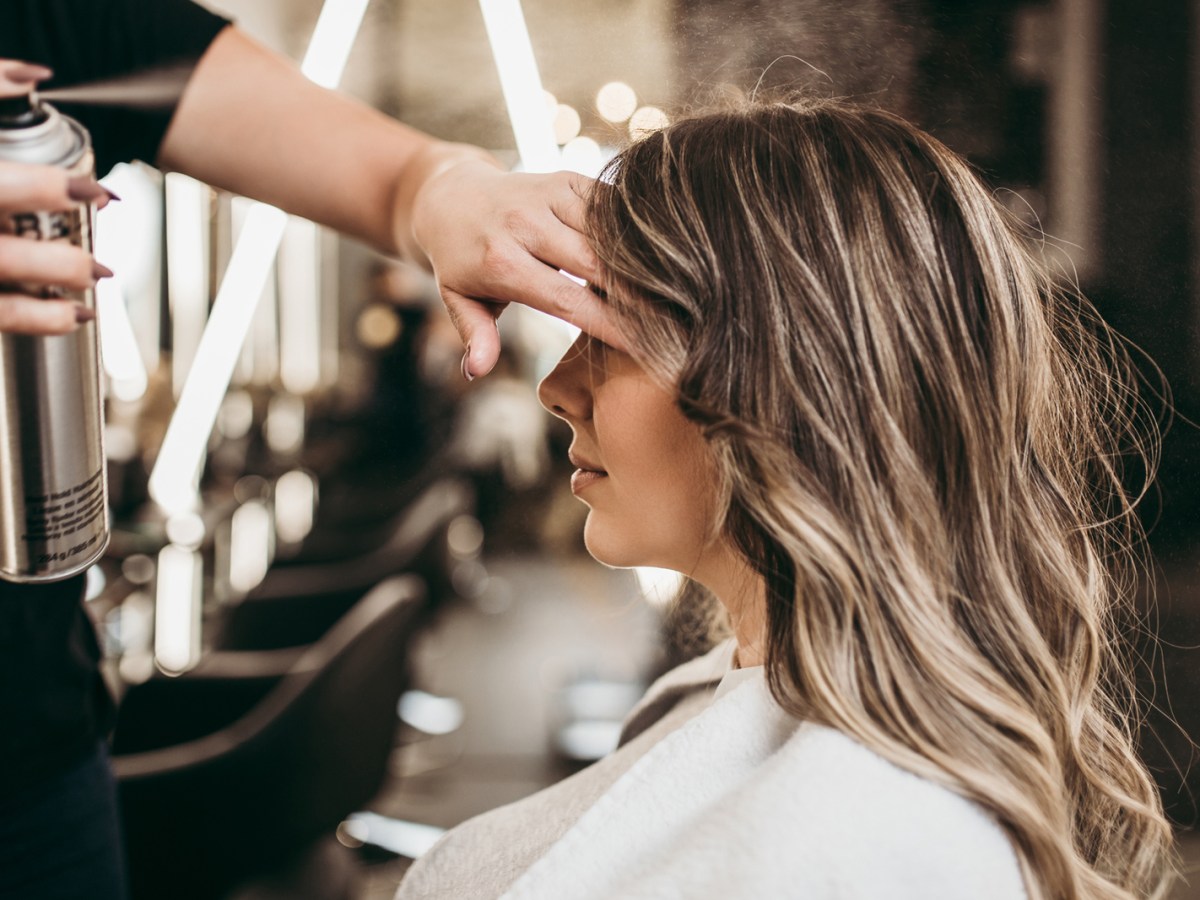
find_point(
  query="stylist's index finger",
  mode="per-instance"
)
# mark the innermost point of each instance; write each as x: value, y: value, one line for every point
x: 18, y: 77
x: 26, y: 187
x: 552, y: 292
x: 569, y: 201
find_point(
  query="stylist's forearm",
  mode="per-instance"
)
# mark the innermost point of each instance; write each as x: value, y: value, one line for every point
x: 250, y: 123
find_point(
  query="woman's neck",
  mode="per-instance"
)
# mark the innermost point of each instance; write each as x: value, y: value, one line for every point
x: 742, y: 593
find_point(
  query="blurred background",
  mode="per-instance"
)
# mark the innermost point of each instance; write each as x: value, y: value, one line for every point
x: 356, y: 485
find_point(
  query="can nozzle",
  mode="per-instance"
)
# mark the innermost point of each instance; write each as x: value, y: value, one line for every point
x: 22, y: 111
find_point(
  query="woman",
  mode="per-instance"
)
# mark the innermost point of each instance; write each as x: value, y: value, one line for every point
x: 859, y: 412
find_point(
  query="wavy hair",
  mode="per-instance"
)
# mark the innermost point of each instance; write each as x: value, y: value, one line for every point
x: 921, y: 438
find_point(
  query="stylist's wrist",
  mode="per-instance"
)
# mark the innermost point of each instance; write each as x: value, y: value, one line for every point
x: 413, y: 197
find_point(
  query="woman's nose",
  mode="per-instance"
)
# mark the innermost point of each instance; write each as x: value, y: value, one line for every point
x: 566, y: 391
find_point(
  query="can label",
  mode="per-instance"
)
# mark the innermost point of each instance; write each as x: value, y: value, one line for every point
x: 65, y: 226
x: 58, y: 516
x: 44, y: 226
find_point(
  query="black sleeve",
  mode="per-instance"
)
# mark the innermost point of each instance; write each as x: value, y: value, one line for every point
x: 85, y: 40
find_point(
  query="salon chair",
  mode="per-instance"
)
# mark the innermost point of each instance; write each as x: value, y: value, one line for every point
x: 257, y: 797
x: 294, y: 605
x: 351, y: 521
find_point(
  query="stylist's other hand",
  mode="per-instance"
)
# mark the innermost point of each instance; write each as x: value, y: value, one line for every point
x: 29, y: 267
x: 494, y: 237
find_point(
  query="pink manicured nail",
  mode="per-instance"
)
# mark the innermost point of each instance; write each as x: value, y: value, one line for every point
x: 99, y: 270
x: 84, y: 314
x: 85, y: 189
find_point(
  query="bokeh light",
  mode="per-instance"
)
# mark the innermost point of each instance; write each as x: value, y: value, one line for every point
x: 616, y: 101
x: 583, y: 155
x: 566, y: 123
x: 647, y: 120
x: 378, y: 326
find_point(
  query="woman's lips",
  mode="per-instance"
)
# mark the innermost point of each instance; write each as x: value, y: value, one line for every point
x: 586, y: 472
x: 581, y: 479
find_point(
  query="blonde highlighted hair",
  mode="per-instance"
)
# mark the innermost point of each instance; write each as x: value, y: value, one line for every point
x: 920, y: 437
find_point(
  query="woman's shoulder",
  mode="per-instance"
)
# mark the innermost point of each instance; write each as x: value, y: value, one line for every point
x: 837, y: 772
x: 881, y: 827
x: 821, y: 816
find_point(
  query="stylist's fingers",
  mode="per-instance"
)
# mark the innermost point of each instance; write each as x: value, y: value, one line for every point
x: 48, y: 263
x: 537, y: 285
x: 25, y: 187
x: 558, y: 238
x: 28, y: 315
x: 475, y: 321
x: 568, y: 200
x: 17, y: 77
x: 563, y: 247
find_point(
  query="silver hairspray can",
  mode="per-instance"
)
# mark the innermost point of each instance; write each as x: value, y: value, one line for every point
x: 53, y: 488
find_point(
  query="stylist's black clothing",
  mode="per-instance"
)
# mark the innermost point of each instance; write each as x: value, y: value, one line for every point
x: 87, y: 40
x: 54, y: 708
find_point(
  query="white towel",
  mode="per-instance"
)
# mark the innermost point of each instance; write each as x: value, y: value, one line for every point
x: 743, y: 801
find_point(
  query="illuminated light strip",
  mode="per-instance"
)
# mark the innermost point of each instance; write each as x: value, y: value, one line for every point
x: 249, y: 546
x: 187, y: 274
x: 177, y: 609
x: 118, y: 344
x: 174, y: 483
x: 332, y: 40
x: 135, y: 264
x: 175, y: 479
x: 300, y: 327
x: 532, y: 124
x: 532, y: 120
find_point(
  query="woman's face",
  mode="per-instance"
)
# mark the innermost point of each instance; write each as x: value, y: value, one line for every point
x: 641, y: 467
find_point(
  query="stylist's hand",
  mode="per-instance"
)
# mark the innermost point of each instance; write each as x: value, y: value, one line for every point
x: 494, y: 237
x: 29, y: 267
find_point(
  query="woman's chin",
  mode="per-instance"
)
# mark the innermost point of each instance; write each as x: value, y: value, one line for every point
x: 613, y: 549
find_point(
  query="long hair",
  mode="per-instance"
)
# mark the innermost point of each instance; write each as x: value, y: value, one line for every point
x: 920, y: 437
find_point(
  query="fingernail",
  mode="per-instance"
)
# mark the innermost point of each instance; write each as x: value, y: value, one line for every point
x: 99, y: 270
x: 112, y: 195
x: 28, y: 73
x: 85, y: 189
x: 84, y: 314
x: 466, y: 365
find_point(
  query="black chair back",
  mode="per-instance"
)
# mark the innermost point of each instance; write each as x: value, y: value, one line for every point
x: 202, y: 816
x: 297, y: 604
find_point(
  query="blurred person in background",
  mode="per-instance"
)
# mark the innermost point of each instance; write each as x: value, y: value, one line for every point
x: 250, y: 123
x: 859, y: 414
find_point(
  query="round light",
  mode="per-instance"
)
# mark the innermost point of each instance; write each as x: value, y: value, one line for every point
x: 647, y: 120
x: 138, y: 568
x: 465, y: 537
x: 583, y: 155
x: 378, y: 326
x: 566, y: 123
x: 616, y: 101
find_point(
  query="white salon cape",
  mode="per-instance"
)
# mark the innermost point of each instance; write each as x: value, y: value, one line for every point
x: 716, y: 792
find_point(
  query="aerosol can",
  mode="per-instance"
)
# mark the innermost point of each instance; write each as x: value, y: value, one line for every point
x: 53, y: 489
